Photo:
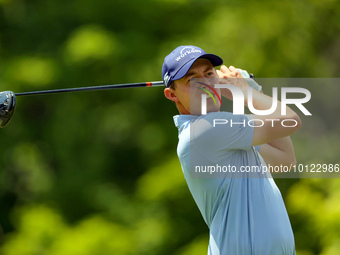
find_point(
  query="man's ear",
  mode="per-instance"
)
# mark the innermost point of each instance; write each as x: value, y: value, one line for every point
x: 169, y: 94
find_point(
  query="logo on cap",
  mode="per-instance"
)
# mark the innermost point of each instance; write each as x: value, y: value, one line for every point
x: 166, y: 78
x: 179, y: 61
x: 187, y: 52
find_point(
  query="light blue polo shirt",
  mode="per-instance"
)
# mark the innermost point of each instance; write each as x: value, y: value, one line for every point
x: 244, y: 211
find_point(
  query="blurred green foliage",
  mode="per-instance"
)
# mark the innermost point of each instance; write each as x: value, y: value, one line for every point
x: 97, y: 172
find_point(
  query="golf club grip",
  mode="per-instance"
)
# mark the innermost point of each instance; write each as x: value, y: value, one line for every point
x: 103, y: 87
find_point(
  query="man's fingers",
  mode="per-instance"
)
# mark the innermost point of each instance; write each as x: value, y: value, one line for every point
x: 225, y: 69
x: 235, y: 72
x: 230, y: 72
x: 232, y: 69
x: 220, y: 74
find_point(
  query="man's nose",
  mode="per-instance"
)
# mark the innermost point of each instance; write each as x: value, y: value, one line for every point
x: 201, y: 78
x: 201, y: 75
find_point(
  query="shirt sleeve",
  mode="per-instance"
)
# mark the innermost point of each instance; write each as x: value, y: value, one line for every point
x: 220, y: 131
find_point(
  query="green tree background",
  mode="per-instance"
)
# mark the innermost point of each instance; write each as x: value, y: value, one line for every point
x: 97, y: 172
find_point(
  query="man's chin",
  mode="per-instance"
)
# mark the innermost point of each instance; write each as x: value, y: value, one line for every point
x: 209, y: 109
x: 213, y: 109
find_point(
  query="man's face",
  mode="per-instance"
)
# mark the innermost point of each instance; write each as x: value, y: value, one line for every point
x: 200, y: 79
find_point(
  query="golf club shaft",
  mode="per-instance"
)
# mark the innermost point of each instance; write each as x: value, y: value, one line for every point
x: 103, y: 87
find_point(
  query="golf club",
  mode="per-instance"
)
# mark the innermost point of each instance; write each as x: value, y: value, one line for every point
x: 7, y: 105
x: 7, y: 98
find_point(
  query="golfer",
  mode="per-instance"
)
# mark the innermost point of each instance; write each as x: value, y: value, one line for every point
x: 245, y: 212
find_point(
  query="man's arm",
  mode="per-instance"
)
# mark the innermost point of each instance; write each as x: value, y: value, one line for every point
x: 268, y: 128
x: 276, y: 145
x: 279, y: 152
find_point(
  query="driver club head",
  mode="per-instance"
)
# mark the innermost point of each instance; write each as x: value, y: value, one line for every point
x: 7, y: 105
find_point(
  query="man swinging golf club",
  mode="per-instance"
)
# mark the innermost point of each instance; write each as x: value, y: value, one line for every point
x: 245, y: 212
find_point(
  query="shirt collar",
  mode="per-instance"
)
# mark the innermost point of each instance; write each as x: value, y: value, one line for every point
x: 182, y: 120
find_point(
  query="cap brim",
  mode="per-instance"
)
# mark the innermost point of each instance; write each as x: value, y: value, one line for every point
x: 214, y: 59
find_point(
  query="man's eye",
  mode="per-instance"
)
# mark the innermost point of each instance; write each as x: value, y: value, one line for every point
x: 210, y: 73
